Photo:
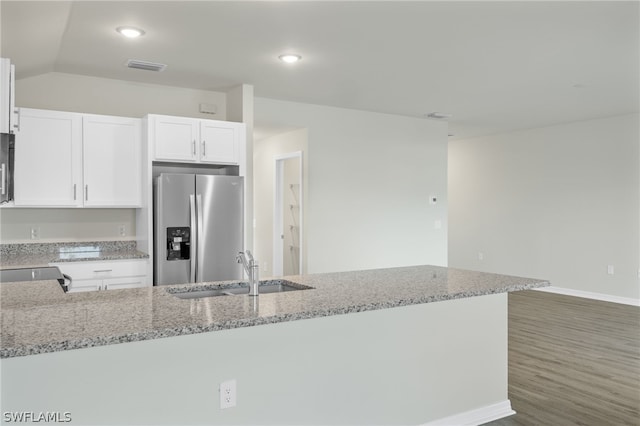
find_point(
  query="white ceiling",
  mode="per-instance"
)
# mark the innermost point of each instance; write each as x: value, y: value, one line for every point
x: 496, y: 66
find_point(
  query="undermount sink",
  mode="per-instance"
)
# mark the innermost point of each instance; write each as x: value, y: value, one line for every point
x: 275, y: 286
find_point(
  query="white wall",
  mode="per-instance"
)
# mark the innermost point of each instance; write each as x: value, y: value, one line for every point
x: 369, y: 179
x: 66, y: 224
x: 240, y: 109
x: 265, y: 152
x: 77, y: 93
x: 559, y: 203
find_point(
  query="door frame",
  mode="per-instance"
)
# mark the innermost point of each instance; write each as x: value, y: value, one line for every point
x: 278, y: 212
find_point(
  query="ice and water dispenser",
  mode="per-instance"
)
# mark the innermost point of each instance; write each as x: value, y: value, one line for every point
x: 178, y: 243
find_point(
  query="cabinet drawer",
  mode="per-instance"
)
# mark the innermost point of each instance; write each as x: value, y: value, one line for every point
x: 84, y: 285
x: 129, y: 282
x: 103, y: 270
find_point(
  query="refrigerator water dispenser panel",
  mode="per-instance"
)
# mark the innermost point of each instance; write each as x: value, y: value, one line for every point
x: 178, y: 243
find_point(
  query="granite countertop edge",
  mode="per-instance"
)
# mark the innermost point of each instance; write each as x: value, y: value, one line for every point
x: 89, y: 342
x: 36, y: 259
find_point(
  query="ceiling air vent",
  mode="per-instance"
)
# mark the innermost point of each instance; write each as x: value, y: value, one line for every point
x: 145, y: 65
x: 439, y: 115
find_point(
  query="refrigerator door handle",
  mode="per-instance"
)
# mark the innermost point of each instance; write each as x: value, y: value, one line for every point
x: 200, y: 240
x: 194, y: 239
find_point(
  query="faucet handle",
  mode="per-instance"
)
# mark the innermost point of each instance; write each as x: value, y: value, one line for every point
x: 250, y: 256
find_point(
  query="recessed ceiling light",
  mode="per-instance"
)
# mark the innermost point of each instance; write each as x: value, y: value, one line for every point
x: 130, y: 32
x: 290, y: 58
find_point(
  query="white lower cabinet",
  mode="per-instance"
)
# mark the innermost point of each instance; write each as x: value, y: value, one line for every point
x: 105, y: 275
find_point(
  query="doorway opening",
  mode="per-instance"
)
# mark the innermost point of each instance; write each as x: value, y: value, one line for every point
x: 288, y: 215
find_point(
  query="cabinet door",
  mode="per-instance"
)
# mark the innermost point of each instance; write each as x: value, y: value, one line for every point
x: 176, y: 138
x: 219, y: 142
x: 112, y: 161
x: 7, y: 96
x: 48, y: 159
x: 127, y: 282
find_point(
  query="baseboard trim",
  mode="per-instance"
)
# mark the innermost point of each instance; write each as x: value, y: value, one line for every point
x: 590, y: 295
x: 476, y: 417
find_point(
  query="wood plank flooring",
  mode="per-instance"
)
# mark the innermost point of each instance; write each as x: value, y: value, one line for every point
x: 572, y: 361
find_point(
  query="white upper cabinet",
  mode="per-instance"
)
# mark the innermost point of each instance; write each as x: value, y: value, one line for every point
x: 112, y: 161
x: 219, y: 142
x: 176, y: 138
x: 66, y: 159
x: 8, y: 122
x: 192, y: 140
x: 48, y: 159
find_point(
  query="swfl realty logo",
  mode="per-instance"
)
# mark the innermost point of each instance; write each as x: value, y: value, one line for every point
x: 33, y: 417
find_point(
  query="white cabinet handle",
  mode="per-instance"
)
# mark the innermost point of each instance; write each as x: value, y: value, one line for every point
x: 204, y: 149
x: 194, y: 147
x: 103, y: 270
x: 86, y: 192
x: 74, y: 191
x: 17, y: 114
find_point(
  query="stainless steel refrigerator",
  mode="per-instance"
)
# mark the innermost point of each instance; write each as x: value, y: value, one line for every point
x: 198, y: 228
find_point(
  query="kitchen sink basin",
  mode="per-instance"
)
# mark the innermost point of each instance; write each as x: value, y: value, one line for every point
x: 277, y: 286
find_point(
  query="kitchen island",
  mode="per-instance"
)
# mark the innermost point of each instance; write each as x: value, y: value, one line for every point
x: 335, y: 353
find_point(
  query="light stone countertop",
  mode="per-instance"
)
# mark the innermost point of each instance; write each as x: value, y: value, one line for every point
x: 36, y: 255
x: 38, y: 317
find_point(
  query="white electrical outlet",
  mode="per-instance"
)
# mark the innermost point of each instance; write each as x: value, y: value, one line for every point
x: 35, y: 232
x: 437, y: 224
x: 265, y: 266
x: 228, y: 394
x: 480, y: 255
x: 122, y: 230
x: 610, y: 269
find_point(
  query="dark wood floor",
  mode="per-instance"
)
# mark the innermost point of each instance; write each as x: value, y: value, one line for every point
x: 572, y: 361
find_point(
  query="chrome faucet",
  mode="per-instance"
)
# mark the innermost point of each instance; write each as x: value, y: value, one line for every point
x: 251, y: 268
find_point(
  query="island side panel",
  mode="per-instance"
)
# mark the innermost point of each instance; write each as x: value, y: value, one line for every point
x: 407, y: 365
